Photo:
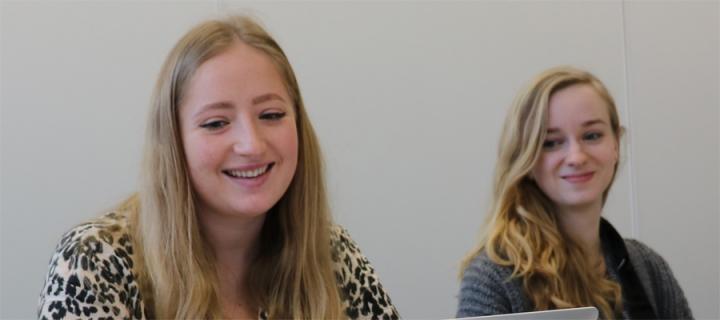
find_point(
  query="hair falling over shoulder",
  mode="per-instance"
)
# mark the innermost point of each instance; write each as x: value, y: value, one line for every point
x: 521, y: 230
x: 293, y: 275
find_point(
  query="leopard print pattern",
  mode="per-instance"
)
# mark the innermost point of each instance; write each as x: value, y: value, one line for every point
x: 91, y: 276
x: 360, y: 288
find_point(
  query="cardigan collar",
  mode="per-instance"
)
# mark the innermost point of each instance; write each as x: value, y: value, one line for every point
x: 613, y: 245
x: 636, y: 304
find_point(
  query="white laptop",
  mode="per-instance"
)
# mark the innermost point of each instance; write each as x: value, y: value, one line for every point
x: 584, y: 313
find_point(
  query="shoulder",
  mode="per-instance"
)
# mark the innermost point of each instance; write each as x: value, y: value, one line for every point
x: 341, y: 241
x: 482, y: 266
x: 640, y: 249
x: 658, y: 280
x: 90, y: 272
x: 346, y: 254
x: 103, y: 238
x: 360, y: 289
x: 483, y: 277
x: 488, y: 288
x: 645, y: 258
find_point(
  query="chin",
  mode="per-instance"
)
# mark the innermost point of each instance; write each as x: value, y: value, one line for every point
x: 253, y: 204
x: 581, y: 202
x: 251, y: 212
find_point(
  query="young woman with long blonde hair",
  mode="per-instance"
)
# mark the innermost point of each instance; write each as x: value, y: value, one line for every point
x: 545, y: 244
x: 231, y: 219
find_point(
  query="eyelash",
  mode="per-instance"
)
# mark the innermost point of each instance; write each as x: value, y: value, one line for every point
x: 551, y: 144
x: 554, y: 143
x: 593, y: 136
x: 272, y: 115
x: 214, y: 125
x: 219, y: 124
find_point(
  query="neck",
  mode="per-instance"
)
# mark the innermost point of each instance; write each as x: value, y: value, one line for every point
x: 234, y: 241
x: 582, y: 225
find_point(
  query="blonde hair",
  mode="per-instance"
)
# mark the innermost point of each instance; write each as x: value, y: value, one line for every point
x: 521, y: 229
x: 293, y: 275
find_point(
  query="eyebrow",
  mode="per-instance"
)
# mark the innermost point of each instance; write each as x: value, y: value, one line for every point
x: 213, y: 106
x: 584, y: 124
x: 229, y: 105
x: 266, y: 97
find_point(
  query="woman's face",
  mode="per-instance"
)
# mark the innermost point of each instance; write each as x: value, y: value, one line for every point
x: 580, y: 151
x: 238, y: 130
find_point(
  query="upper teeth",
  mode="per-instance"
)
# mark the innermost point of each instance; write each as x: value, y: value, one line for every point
x: 248, y: 173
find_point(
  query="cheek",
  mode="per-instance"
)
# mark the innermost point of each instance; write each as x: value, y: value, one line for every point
x: 608, y: 155
x: 610, y: 163
x: 545, y: 172
x: 544, y: 167
x: 286, y: 140
x: 199, y: 154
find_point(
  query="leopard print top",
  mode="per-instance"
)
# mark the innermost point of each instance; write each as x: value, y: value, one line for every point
x: 91, y: 276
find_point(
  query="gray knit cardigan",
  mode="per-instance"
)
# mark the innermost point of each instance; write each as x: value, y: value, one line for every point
x: 487, y: 288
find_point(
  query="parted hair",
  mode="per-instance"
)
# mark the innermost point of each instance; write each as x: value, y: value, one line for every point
x: 521, y: 229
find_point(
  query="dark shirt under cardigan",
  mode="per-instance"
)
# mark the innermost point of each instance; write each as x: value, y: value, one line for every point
x: 487, y: 288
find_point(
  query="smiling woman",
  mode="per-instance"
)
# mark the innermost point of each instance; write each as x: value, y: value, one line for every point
x: 239, y: 134
x: 231, y: 219
x: 546, y: 245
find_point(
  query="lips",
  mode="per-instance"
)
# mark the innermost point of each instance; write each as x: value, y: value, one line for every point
x: 249, y: 172
x: 578, y: 177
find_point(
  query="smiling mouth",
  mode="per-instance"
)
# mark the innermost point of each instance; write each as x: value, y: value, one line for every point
x: 249, y: 174
x: 579, y: 177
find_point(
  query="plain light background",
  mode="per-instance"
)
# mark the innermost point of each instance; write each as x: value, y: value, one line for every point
x: 407, y: 99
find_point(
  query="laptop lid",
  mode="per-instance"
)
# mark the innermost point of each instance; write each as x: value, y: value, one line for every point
x: 584, y: 313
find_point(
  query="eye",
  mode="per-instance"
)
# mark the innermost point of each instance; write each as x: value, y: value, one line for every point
x: 593, y: 136
x: 214, y: 124
x: 273, y: 115
x: 552, y: 144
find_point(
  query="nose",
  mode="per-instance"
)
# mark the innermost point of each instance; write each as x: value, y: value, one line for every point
x: 576, y: 155
x: 248, y: 139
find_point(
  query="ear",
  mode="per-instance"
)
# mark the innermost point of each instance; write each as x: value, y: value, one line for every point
x: 618, y: 138
x: 620, y: 133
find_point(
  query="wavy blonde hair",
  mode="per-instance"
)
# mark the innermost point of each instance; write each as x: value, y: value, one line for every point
x: 521, y: 229
x: 292, y: 277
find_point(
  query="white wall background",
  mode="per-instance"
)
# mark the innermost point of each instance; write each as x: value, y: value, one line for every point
x: 407, y: 98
